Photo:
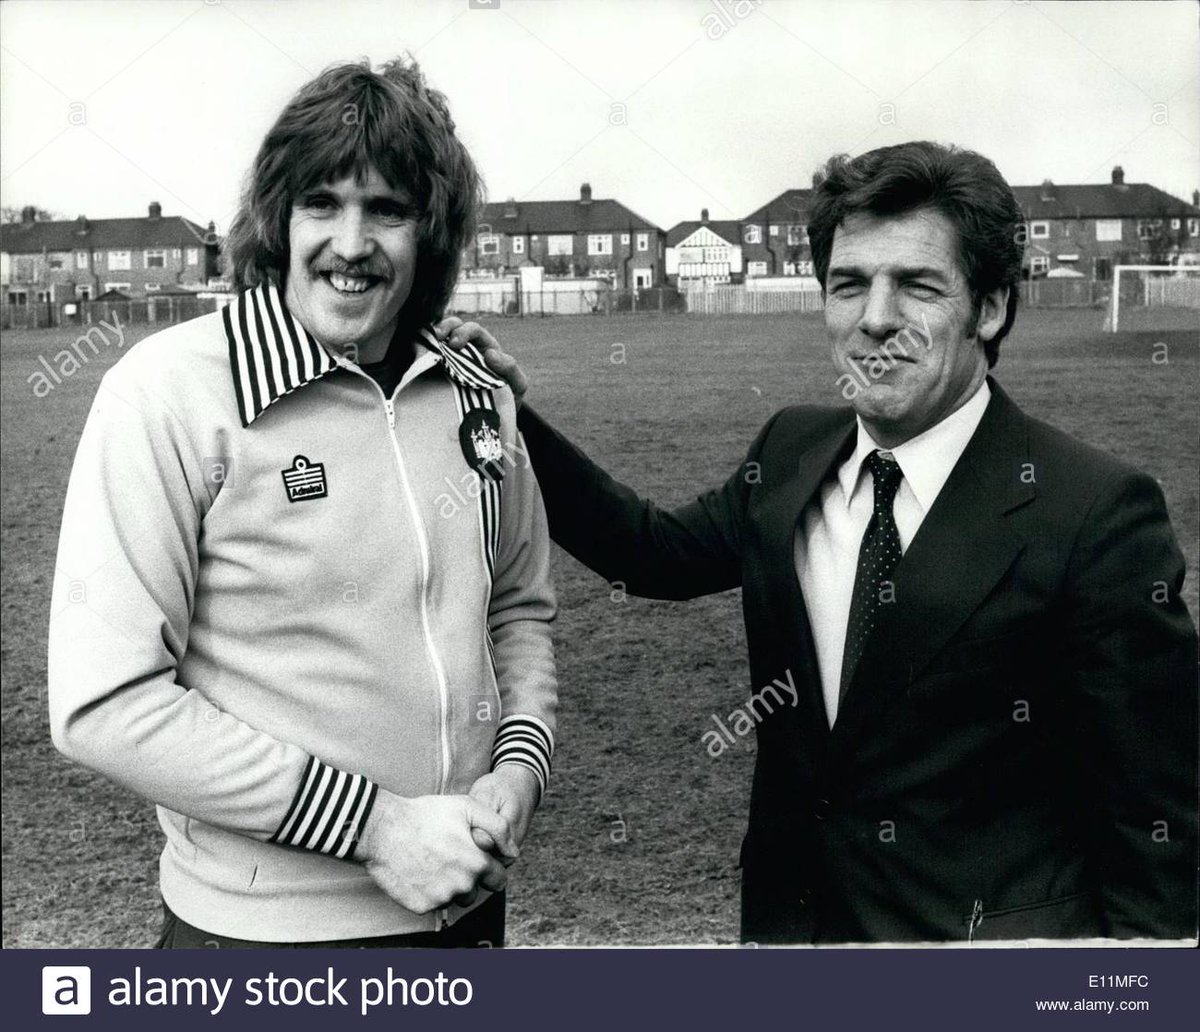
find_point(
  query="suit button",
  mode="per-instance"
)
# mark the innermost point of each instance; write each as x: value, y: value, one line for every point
x: 822, y: 808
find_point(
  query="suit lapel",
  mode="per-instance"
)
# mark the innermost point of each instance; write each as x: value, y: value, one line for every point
x: 963, y: 547
x: 782, y: 509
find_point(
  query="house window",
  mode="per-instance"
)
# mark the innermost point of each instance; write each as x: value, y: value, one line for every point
x: 518, y: 245
x: 154, y: 260
x: 45, y: 296
x: 753, y: 235
x: 789, y: 268
x: 1193, y: 227
x: 18, y: 297
x: 1039, y: 265
x: 152, y: 287
x: 81, y: 259
x: 756, y: 269
x: 1039, y: 230
x: 1176, y: 223
x: 1148, y: 228
x: 625, y: 240
x: 797, y: 235
x: 97, y: 258
x: 559, y: 244
x: 774, y: 231
x: 116, y: 286
x: 83, y: 292
x: 55, y: 261
x: 118, y: 260
x: 175, y: 253
x: 643, y: 241
x: 600, y: 243
x: 1108, y: 230
x: 193, y: 256
x: 489, y: 243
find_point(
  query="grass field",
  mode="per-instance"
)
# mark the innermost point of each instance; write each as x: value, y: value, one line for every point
x: 637, y: 840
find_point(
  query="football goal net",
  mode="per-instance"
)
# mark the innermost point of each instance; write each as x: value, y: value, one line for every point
x: 1153, y: 297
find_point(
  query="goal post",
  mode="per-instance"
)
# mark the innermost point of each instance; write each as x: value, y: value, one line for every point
x: 1151, y: 286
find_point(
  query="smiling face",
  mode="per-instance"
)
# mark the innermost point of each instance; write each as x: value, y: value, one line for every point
x: 353, y: 254
x: 901, y: 322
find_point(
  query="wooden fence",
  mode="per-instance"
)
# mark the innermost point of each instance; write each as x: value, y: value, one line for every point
x: 740, y: 301
x: 1172, y: 291
x: 504, y: 299
x: 173, y: 308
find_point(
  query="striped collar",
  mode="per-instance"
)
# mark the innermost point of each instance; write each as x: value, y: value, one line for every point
x: 271, y: 354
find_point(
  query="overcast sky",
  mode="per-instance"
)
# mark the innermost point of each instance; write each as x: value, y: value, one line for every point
x: 666, y: 105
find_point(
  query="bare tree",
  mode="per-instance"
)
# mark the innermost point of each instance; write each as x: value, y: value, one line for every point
x: 11, y: 213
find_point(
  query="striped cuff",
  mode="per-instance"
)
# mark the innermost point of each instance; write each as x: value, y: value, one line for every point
x: 329, y: 810
x: 526, y: 740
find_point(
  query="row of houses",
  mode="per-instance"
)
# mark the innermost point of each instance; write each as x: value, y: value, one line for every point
x: 83, y: 259
x: 1070, y: 230
x: 1078, y: 230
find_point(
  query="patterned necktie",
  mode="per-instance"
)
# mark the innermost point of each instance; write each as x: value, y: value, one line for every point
x: 877, y: 558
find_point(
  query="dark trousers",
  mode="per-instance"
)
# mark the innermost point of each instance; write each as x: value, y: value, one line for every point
x: 482, y: 927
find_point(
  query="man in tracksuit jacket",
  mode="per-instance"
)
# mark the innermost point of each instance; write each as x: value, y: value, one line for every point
x: 301, y: 599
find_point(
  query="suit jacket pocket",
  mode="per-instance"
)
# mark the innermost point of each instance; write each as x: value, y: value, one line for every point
x: 973, y: 659
x: 1073, y: 916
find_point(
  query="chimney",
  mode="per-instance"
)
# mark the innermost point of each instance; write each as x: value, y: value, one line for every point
x: 1196, y: 198
x: 28, y: 215
x: 81, y: 225
x: 585, y: 193
x: 704, y: 215
x: 1048, y: 193
x: 155, y: 210
x: 510, y: 208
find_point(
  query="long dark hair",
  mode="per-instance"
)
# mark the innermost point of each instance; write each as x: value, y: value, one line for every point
x: 346, y: 121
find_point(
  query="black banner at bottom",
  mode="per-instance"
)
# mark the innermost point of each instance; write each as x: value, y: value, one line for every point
x: 600, y: 989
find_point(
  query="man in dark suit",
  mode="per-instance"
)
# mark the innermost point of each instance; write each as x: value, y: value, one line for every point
x: 996, y: 730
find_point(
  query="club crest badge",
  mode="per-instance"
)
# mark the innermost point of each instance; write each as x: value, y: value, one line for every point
x: 479, y: 436
x: 304, y: 480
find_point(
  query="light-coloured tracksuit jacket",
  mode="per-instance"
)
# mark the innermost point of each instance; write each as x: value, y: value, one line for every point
x: 278, y: 591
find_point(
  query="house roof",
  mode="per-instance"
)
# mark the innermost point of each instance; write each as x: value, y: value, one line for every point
x: 1100, y: 200
x: 1087, y: 200
x: 728, y: 231
x: 101, y: 234
x: 789, y: 206
x: 597, y: 216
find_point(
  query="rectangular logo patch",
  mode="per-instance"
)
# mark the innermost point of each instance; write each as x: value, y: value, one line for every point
x: 304, y: 480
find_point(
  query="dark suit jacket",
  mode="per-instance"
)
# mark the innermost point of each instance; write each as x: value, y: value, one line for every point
x: 1016, y: 755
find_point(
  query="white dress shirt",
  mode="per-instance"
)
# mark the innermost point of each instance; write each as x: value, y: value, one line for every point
x: 831, y: 527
